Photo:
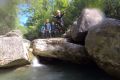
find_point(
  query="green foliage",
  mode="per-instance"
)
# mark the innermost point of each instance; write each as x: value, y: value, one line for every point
x: 7, y: 15
x: 32, y: 33
x: 23, y: 29
x: 76, y: 6
x: 43, y: 9
x: 112, y: 8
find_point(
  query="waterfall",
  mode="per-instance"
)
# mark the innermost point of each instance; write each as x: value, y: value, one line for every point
x: 35, y: 62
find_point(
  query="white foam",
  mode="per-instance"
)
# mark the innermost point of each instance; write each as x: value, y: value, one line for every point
x: 35, y: 63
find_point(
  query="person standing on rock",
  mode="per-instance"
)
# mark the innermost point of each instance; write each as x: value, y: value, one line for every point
x: 47, y: 29
x: 42, y: 30
x: 53, y: 29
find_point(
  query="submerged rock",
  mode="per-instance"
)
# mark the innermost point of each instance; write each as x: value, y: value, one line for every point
x: 61, y: 49
x: 88, y: 18
x: 103, y: 44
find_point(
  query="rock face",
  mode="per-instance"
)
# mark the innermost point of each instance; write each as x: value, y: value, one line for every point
x: 26, y: 43
x: 13, y: 51
x: 16, y: 33
x: 87, y: 19
x: 103, y: 44
x: 61, y: 49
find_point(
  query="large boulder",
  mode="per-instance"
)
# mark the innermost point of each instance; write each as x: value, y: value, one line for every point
x: 103, y: 44
x: 59, y: 48
x: 13, y: 50
x: 27, y: 44
x: 28, y: 50
x: 88, y: 18
x: 16, y: 33
x: 70, y: 33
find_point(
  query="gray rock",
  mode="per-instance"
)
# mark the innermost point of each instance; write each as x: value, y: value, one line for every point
x: 13, y: 50
x: 16, y: 33
x: 103, y: 44
x: 61, y: 49
x: 88, y: 18
x: 27, y: 43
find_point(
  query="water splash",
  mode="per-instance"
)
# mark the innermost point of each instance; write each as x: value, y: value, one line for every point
x: 35, y: 63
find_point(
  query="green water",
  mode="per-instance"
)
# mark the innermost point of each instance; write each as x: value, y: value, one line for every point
x: 54, y: 72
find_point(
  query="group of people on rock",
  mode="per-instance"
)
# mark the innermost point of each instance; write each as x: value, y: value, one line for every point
x: 53, y: 28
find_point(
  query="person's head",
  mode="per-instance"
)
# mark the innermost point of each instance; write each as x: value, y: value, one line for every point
x: 58, y: 12
x: 47, y: 20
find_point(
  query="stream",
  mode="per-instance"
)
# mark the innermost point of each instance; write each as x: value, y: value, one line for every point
x: 60, y: 71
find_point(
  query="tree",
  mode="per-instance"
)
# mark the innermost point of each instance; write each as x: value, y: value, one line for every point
x: 43, y: 9
x: 7, y: 15
x: 112, y: 8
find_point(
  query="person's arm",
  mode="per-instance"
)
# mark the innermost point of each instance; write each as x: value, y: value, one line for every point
x: 54, y: 16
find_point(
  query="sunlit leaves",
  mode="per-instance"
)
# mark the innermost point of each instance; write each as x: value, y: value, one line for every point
x: 43, y: 9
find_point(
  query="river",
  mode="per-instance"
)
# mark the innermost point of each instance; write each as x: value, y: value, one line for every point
x: 60, y: 71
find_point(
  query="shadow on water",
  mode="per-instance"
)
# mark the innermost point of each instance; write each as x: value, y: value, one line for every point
x: 56, y: 70
x: 71, y: 71
x: 81, y: 72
